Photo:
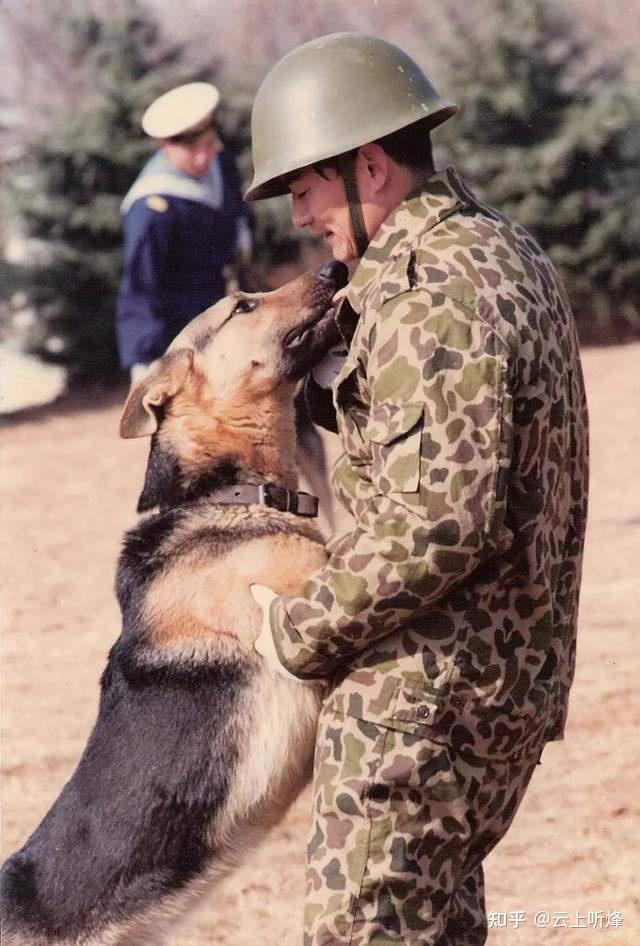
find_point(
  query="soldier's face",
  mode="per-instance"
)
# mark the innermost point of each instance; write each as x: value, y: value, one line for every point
x: 318, y: 201
x: 194, y: 157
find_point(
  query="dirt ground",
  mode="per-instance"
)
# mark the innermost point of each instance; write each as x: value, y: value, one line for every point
x: 69, y: 487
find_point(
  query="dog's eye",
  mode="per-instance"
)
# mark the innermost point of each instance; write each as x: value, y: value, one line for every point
x: 244, y: 305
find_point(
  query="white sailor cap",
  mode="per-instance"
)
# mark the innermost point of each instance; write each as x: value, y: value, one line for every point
x: 180, y: 109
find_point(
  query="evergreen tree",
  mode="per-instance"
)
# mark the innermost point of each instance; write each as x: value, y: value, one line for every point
x: 551, y: 139
x: 69, y: 184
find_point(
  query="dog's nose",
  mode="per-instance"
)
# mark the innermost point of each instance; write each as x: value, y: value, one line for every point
x: 336, y: 271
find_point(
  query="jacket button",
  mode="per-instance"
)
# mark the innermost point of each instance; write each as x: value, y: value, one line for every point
x: 423, y: 711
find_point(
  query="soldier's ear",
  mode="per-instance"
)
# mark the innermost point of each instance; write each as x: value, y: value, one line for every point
x: 375, y: 168
x: 162, y: 381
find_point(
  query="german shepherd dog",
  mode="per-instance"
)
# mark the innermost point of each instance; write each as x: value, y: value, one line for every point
x: 199, y: 747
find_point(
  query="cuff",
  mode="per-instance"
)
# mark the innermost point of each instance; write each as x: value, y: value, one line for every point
x: 266, y: 647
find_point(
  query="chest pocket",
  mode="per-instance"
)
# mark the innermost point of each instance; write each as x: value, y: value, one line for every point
x: 395, y: 435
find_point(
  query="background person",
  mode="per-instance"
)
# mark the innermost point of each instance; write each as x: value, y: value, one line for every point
x: 445, y: 621
x: 184, y: 221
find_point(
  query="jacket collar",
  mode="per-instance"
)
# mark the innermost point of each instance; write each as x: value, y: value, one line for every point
x: 442, y: 195
x: 159, y: 176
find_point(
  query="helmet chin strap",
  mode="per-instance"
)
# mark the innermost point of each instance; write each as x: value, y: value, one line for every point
x: 347, y: 170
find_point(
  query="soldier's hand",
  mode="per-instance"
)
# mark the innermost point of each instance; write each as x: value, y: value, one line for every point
x: 263, y: 596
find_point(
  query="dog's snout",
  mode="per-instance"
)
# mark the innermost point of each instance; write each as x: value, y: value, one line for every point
x: 335, y: 271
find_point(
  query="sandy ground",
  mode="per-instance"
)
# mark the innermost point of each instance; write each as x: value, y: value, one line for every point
x: 69, y: 487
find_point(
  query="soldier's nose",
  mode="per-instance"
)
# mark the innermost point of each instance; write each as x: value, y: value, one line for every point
x: 300, y: 217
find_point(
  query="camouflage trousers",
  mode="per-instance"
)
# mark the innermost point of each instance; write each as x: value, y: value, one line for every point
x: 400, y: 827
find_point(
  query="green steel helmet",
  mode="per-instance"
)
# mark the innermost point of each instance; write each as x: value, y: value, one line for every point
x: 330, y: 96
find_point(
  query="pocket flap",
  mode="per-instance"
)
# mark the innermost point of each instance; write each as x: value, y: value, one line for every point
x: 390, y: 421
x: 386, y: 700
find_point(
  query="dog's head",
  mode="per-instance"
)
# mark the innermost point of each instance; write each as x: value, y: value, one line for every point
x: 223, y: 391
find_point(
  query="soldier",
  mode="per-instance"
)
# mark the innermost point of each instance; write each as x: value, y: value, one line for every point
x: 184, y: 221
x: 444, y: 622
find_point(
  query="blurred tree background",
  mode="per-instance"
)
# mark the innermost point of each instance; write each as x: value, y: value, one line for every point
x: 549, y: 134
x: 551, y: 137
x: 67, y: 182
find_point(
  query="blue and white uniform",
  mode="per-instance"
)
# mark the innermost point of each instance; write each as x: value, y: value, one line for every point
x: 179, y: 233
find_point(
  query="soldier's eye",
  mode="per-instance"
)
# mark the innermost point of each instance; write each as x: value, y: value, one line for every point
x: 244, y: 305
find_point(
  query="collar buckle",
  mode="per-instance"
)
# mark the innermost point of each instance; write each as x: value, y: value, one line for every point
x: 286, y: 500
x: 266, y: 494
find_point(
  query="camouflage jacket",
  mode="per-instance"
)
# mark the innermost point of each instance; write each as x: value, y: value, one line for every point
x: 450, y: 608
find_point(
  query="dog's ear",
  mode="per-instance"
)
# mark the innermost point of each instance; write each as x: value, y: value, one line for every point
x: 162, y: 382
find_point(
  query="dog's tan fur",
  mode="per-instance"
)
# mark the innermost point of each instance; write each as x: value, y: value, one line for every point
x: 200, y: 599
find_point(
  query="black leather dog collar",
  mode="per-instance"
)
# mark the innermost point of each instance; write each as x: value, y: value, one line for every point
x: 276, y: 497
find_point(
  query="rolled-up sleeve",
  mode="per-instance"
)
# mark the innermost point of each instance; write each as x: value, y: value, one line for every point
x: 432, y: 505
